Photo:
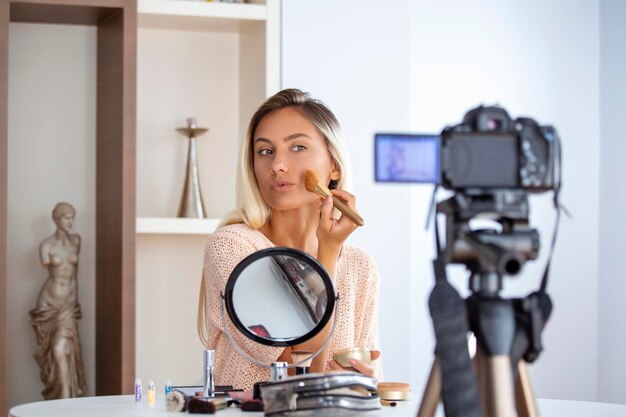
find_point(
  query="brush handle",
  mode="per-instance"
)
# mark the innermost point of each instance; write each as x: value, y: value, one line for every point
x: 323, y: 192
x: 347, y: 211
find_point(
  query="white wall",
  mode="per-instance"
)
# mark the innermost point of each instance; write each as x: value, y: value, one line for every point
x: 612, y: 356
x: 353, y: 55
x: 534, y: 58
x: 52, y: 149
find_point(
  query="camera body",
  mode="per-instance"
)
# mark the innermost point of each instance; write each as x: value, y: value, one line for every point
x: 489, y: 150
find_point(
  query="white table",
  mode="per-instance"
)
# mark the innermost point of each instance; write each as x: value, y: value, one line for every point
x: 124, y: 405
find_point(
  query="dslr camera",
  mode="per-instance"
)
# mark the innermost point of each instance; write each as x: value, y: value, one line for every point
x: 486, y: 151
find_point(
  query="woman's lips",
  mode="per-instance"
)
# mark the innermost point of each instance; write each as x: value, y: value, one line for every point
x: 281, y: 186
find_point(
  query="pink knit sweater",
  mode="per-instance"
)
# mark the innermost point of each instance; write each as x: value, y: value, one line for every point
x: 356, y: 283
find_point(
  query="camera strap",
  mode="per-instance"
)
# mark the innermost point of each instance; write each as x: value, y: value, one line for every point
x: 459, y: 391
x: 558, y: 183
x: 558, y: 207
x: 536, y: 308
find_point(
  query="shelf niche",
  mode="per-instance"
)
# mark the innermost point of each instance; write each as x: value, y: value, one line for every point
x: 116, y: 22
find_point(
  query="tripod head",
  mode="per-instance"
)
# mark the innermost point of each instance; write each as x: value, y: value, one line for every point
x: 489, y: 254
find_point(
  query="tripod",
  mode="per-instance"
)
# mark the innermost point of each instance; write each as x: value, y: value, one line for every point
x: 524, y: 399
x: 495, y: 383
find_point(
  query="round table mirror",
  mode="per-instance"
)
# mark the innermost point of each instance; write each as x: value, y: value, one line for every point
x: 279, y: 297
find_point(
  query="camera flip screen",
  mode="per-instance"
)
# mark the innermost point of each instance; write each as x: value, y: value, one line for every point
x: 407, y: 158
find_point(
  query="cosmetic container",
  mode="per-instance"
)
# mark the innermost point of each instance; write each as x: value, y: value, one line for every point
x: 394, y: 391
x: 342, y: 356
x: 151, y: 393
x: 328, y: 394
x: 138, y: 389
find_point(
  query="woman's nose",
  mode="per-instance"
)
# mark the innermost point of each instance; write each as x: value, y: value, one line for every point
x: 279, y: 166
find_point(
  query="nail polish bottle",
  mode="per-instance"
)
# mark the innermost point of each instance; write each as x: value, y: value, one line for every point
x: 138, y: 389
x: 151, y: 393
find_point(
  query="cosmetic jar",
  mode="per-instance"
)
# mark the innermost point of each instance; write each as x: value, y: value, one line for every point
x: 342, y: 356
x: 394, y: 391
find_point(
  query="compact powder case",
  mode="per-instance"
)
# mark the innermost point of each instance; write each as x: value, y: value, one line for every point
x: 394, y: 391
x: 342, y: 356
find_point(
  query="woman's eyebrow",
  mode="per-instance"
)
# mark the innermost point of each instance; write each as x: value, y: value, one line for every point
x: 293, y: 136
x: 296, y: 136
x: 262, y: 140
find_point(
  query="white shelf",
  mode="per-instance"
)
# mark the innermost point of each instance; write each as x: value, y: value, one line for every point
x: 197, y: 15
x: 174, y: 225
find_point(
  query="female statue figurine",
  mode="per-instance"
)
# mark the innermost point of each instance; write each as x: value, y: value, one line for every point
x: 55, y: 319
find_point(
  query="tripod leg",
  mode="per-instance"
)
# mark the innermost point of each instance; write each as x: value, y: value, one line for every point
x: 496, y: 385
x: 525, y: 399
x: 432, y: 392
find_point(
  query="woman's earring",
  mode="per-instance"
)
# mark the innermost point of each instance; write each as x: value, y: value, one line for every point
x: 332, y: 184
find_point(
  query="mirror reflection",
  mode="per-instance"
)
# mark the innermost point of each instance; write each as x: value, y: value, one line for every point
x: 279, y: 297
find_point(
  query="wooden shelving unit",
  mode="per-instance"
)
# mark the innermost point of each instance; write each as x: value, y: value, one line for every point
x: 116, y: 22
x: 133, y: 202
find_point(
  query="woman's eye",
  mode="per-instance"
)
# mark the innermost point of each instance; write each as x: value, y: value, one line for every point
x: 264, y: 152
x: 299, y: 148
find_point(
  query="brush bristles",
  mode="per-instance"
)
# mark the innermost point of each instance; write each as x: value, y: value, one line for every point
x: 200, y: 406
x: 206, y: 406
x: 310, y: 180
x: 312, y: 183
x: 176, y: 402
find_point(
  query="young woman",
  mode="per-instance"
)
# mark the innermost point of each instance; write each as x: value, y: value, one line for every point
x: 287, y: 135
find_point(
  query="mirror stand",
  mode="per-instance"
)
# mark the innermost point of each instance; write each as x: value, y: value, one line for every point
x: 283, y: 297
x: 278, y: 370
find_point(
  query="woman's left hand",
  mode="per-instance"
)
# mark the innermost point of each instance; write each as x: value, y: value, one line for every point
x: 359, y: 366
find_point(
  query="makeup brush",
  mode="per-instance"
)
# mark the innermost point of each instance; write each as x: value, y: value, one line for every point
x: 313, y: 184
x: 176, y: 401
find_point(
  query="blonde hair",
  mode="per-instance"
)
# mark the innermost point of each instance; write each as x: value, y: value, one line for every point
x: 251, y: 209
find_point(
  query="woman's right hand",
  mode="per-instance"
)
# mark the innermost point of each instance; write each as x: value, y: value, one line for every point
x: 331, y: 232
